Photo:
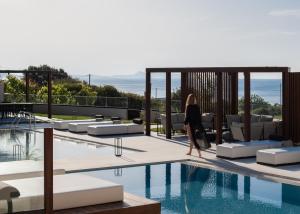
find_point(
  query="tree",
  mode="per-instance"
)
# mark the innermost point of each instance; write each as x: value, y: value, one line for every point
x: 39, y: 74
x: 60, y: 95
x: 15, y: 87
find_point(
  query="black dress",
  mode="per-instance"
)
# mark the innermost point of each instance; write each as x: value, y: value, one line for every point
x: 193, y: 119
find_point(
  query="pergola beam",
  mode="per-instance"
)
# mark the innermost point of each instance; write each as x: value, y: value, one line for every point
x: 219, y: 113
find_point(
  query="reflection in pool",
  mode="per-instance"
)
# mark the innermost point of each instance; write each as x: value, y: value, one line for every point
x: 32, y: 148
x: 183, y: 188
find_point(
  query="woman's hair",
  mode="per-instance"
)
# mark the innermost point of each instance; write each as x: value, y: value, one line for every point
x: 191, y: 99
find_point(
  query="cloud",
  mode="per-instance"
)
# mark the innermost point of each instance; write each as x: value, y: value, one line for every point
x: 286, y: 13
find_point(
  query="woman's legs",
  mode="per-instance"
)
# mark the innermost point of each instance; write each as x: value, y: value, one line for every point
x: 191, y: 135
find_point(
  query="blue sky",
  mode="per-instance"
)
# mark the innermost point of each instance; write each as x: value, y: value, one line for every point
x: 108, y: 37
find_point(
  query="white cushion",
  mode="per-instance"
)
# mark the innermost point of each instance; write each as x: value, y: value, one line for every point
x: 279, y: 156
x: 24, y: 169
x: 245, y: 149
x: 64, y: 124
x: 70, y: 191
x: 112, y: 129
x: 82, y: 127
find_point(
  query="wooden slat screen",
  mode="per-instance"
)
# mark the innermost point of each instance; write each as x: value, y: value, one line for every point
x: 294, y: 107
x: 204, y: 86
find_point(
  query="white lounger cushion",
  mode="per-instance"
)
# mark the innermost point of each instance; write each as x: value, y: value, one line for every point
x: 64, y: 124
x: 112, y: 129
x: 70, y: 191
x: 245, y: 149
x: 279, y: 156
x: 24, y: 169
x: 82, y: 127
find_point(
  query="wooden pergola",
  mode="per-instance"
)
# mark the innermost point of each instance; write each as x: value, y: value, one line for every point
x: 26, y: 72
x: 223, y: 88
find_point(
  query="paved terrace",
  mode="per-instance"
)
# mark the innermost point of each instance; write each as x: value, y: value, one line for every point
x: 156, y: 149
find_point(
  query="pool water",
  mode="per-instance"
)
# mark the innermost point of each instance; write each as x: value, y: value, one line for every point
x: 32, y: 147
x: 183, y: 188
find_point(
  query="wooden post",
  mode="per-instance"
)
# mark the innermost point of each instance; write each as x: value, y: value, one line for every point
x: 219, y: 115
x: 234, y: 93
x: 26, y: 87
x: 50, y: 94
x: 148, y: 102
x: 48, y: 170
x: 247, y: 107
x: 286, y: 104
x: 168, y: 105
x: 183, y: 90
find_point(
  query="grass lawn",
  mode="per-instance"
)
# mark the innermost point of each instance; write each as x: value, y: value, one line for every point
x: 65, y: 117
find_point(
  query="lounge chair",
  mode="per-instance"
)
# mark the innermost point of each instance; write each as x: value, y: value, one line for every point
x: 24, y: 169
x: 64, y: 124
x: 82, y: 127
x: 245, y: 149
x: 278, y: 156
x: 237, y: 130
x: 69, y: 191
x: 115, y: 129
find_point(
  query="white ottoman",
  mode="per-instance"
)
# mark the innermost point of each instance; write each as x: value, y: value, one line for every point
x: 279, y: 156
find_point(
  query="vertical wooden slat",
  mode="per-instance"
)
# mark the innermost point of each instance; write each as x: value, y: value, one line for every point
x: 286, y: 104
x: 168, y: 105
x: 183, y: 90
x: 49, y: 94
x: 148, y: 102
x: 247, y: 107
x: 219, y: 116
x: 48, y: 170
x: 26, y: 86
x: 234, y: 93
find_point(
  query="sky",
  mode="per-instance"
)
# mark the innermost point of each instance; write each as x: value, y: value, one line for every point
x: 113, y: 37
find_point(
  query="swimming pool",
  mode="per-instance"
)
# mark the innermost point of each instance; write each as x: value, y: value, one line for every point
x: 32, y: 147
x: 183, y: 188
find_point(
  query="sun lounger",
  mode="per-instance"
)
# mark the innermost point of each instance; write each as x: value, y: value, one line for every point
x: 82, y: 127
x: 113, y: 129
x: 278, y: 156
x: 64, y: 124
x: 245, y: 149
x: 69, y: 191
x: 24, y: 169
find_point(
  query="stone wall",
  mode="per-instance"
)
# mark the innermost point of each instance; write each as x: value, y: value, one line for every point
x: 82, y: 110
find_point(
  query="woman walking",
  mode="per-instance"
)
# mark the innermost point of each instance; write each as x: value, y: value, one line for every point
x: 192, y: 122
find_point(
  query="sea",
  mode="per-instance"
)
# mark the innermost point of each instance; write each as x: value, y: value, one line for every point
x: 269, y: 89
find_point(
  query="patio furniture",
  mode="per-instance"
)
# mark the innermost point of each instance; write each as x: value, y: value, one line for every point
x: 82, y: 127
x: 25, y: 169
x: 245, y: 149
x: 177, y: 120
x: 115, y: 118
x: 278, y: 156
x: 70, y: 191
x: 237, y: 130
x: 8, y: 193
x: 64, y: 124
x: 115, y: 129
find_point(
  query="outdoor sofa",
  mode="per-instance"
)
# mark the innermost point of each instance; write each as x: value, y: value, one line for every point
x: 64, y: 124
x: 177, y: 121
x: 245, y: 149
x: 70, y: 191
x: 262, y: 127
x: 115, y: 129
x: 83, y: 126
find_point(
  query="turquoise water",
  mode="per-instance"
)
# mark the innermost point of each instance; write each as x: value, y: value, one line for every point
x: 184, y: 188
